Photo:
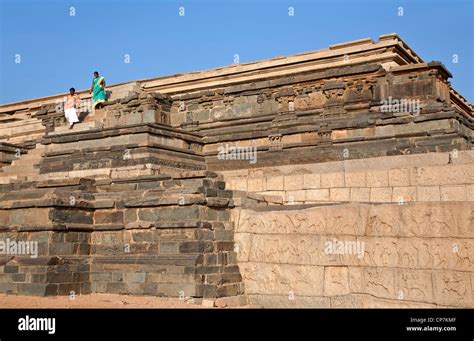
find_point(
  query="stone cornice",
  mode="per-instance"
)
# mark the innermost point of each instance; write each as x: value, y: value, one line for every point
x: 390, y: 51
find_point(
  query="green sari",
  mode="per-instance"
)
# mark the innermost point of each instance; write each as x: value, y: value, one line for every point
x: 98, y: 95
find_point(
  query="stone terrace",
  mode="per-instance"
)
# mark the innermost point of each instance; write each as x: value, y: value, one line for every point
x: 135, y: 199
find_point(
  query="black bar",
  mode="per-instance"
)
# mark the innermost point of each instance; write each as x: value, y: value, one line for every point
x: 219, y: 324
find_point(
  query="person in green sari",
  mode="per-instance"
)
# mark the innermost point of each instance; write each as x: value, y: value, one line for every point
x: 97, y: 90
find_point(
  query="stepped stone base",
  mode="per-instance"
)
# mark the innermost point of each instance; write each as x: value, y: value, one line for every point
x: 225, y: 186
x: 167, y: 237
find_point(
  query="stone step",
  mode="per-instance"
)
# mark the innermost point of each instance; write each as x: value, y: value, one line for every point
x: 97, y: 115
x: 22, y: 164
x: 24, y: 167
x: 19, y: 168
x: 25, y: 162
x: 27, y: 157
x: 32, y: 152
x: 12, y: 178
x: 31, y: 155
x: 41, y: 177
x: 83, y: 126
x: 16, y: 173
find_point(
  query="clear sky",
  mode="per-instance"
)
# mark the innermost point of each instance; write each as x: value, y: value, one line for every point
x: 57, y: 50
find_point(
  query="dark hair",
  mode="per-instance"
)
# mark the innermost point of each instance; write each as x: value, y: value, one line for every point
x: 72, y: 89
x: 96, y: 72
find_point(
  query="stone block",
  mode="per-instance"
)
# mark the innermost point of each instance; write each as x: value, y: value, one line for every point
x: 377, y: 178
x: 330, y: 180
x: 311, y: 181
x: 381, y: 194
x: 452, y: 288
x: 453, y: 193
x: 289, y: 280
x: 134, y: 277
x: 168, y: 247
x: 30, y: 216
x: 293, y: 182
x: 356, y: 279
x: 414, y: 285
x: 238, y: 184
x: 317, y: 194
x: 255, y: 185
x: 295, y: 196
x: 380, y: 282
x: 173, y: 213
x: 360, y: 194
x: 404, y: 194
x: 445, y: 175
x: 428, y: 193
x: 399, y: 177
x: 274, y: 183
x: 336, y: 281
x: 339, y: 194
x: 108, y: 217
x: 355, y: 179
x: 470, y: 192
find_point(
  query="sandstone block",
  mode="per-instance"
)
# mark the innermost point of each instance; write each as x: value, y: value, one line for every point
x: 380, y: 282
x: 428, y: 193
x: 330, y: 180
x: 295, y: 196
x: 377, y: 178
x: 274, y: 183
x: 283, y: 279
x: 339, y: 194
x: 355, y: 179
x: 336, y: 281
x: 404, y: 194
x: 453, y: 193
x: 445, y: 175
x: 293, y: 182
x: 470, y: 192
x: 311, y: 181
x: 414, y: 285
x: 399, y: 177
x: 360, y: 194
x: 317, y: 194
x: 381, y: 194
x: 255, y: 184
x: 452, y: 288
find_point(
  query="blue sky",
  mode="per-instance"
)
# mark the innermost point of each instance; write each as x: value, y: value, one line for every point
x: 59, y: 51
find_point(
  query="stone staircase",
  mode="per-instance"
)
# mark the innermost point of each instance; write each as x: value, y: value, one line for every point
x: 166, y: 235
x: 20, y: 129
x: 24, y: 168
x: 92, y: 121
x: 9, y: 152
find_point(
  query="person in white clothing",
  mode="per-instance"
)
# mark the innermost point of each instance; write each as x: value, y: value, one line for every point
x: 70, y: 110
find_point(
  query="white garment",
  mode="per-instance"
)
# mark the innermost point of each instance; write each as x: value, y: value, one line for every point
x: 71, y: 115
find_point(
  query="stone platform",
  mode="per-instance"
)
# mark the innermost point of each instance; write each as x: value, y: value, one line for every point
x: 228, y: 184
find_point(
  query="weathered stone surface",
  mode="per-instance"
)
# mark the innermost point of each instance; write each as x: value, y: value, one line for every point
x: 404, y: 246
x: 336, y: 281
x: 324, y: 197
x: 414, y: 219
x: 282, y: 279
